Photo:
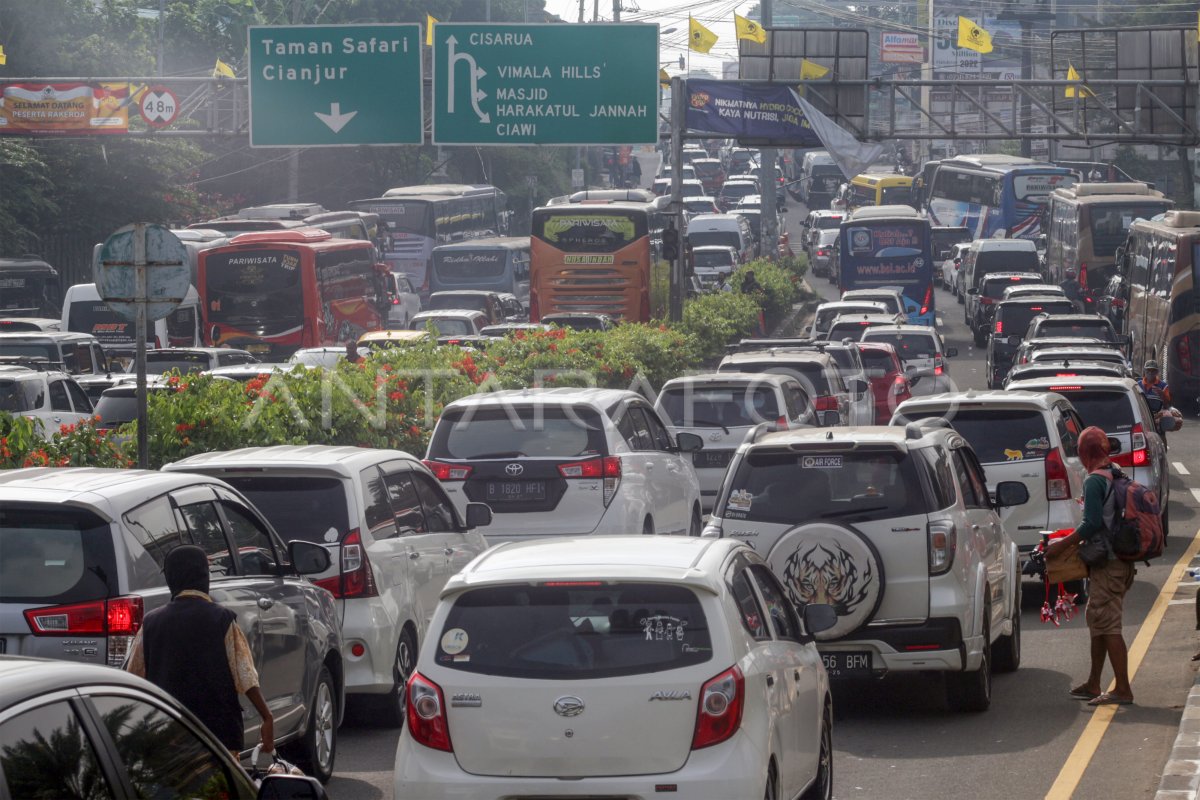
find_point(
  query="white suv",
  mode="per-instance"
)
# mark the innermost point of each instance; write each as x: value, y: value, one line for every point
x: 622, y: 668
x: 561, y: 462
x: 894, y: 528
x: 393, y: 536
x: 50, y: 399
x: 921, y: 351
x: 723, y: 407
x: 1018, y: 436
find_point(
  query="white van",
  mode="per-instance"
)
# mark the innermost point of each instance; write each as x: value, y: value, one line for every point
x: 728, y: 230
x: 84, y: 312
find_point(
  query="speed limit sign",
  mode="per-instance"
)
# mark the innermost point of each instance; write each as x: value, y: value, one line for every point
x: 159, y: 106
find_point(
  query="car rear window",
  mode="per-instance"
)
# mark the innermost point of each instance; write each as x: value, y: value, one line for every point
x: 1109, y: 411
x: 716, y: 406
x: 298, y: 507
x: 890, y: 301
x: 1100, y: 329
x: 116, y: 409
x: 1109, y: 356
x: 789, y: 487
x: 998, y: 434
x: 877, y: 363
x: 994, y: 287
x: 438, y: 303
x: 826, y: 316
x: 530, y: 431
x: 848, y: 330
x: 714, y: 258
x: 811, y: 374
x: 55, y: 555
x: 1006, y: 261
x: 575, y: 630
x: 159, y: 363
x: 1016, y: 317
x: 18, y: 396
x: 828, y: 222
x: 908, y: 345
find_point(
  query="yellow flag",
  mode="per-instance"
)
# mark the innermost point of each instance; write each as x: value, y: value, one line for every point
x: 223, y: 70
x: 429, y: 23
x: 749, y: 29
x: 810, y: 71
x: 1072, y: 75
x: 3, y: 58
x: 973, y: 37
x: 663, y: 77
x: 700, y: 38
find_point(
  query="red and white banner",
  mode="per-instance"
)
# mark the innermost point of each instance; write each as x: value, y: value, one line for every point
x: 64, y: 108
x: 901, y: 48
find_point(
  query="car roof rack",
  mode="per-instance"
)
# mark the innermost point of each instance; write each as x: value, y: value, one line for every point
x: 747, y: 345
x: 39, y: 363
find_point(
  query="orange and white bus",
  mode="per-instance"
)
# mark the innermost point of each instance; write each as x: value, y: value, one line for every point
x: 599, y: 256
x: 274, y: 292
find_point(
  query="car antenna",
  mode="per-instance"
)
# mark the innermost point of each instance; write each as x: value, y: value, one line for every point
x: 829, y: 435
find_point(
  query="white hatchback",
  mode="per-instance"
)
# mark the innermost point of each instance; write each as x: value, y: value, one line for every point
x: 618, y: 668
x: 567, y: 462
x: 921, y: 351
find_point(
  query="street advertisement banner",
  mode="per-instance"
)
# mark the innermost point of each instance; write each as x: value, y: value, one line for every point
x: 64, y: 108
x: 886, y: 252
x: 900, y: 48
x: 749, y: 111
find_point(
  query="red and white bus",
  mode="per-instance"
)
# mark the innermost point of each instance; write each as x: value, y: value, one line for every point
x: 274, y: 292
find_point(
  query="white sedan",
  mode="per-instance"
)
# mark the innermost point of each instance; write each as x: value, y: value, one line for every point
x: 615, y: 667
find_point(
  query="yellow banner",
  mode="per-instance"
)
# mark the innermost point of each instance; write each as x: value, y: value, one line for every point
x: 64, y: 108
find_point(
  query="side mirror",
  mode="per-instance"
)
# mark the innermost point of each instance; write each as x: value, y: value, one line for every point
x: 1015, y: 341
x: 1114, y: 446
x: 1011, y: 493
x: 479, y: 515
x: 1155, y: 404
x: 858, y: 386
x: 1168, y: 423
x: 291, y: 787
x: 688, y: 442
x: 951, y: 352
x: 819, y: 617
x: 308, y: 558
x: 972, y: 291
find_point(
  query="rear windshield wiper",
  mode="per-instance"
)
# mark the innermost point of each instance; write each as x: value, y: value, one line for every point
x: 849, y: 511
x: 502, y: 454
x: 703, y: 423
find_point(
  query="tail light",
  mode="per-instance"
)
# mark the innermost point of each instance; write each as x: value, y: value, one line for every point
x: 395, y: 300
x: 900, y: 385
x: 927, y: 303
x: 1058, y: 487
x: 1183, y: 351
x: 826, y: 403
x: 1117, y: 302
x: 781, y: 423
x: 999, y: 327
x: 356, y: 578
x: 822, y: 251
x: 986, y: 301
x: 427, y: 723
x: 1083, y: 284
x: 939, y: 364
x: 606, y: 467
x: 118, y: 618
x: 720, y: 712
x: 1138, y: 456
x: 448, y: 472
x: 943, y: 542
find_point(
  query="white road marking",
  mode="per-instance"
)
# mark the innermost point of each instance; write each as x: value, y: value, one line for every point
x: 1196, y: 494
x: 1180, y: 468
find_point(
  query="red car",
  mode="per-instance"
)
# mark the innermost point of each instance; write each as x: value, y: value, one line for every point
x: 889, y: 386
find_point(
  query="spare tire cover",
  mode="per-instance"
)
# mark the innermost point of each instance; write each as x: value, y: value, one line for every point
x: 823, y: 562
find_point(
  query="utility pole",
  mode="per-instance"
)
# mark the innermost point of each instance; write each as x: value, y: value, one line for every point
x: 581, y: 10
x: 616, y: 10
x: 294, y: 154
x: 770, y: 213
x: 675, y: 213
x: 161, y: 25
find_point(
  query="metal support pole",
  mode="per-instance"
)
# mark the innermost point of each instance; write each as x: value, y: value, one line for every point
x: 616, y: 10
x: 139, y: 267
x: 161, y: 25
x: 769, y: 246
x: 678, y: 111
x: 1027, y: 74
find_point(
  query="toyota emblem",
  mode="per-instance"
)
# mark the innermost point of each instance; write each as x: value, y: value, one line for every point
x: 514, y: 469
x: 568, y: 706
x: 715, y: 436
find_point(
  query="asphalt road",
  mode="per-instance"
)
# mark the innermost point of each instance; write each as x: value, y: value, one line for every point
x: 895, y: 738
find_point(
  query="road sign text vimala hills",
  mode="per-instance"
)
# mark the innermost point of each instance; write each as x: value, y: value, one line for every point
x: 545, y: 84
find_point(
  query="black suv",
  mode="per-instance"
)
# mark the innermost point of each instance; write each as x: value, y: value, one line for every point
x: 990, y: 292
x: 1011, y: 319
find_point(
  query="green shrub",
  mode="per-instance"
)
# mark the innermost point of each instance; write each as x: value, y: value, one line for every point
x: 715, y: 320
x: 780, y: 288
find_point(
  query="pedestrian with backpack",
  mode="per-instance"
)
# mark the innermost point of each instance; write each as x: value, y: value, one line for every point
x: 1109, y: 577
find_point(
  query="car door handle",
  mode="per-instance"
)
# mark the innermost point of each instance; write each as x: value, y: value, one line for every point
x: 265, y: 602
x: 796, y: 674
x: 770, y: 680
x: 449, y: 551
x: 975, y: 527
x: 649, y: 468
x: 414, y: 555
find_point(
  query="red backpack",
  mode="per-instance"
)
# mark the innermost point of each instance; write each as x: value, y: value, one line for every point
x: 1137, y: 533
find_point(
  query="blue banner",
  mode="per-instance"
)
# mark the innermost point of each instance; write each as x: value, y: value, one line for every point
x: 749, y: 111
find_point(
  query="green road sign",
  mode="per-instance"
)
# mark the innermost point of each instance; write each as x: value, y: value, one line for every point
x: 335, y: 85
x: 545, y: 84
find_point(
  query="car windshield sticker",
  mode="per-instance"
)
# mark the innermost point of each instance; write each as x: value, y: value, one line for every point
x: 1013, y: 455
x: 1040, y: 443
x: 740, y: 500
x: 821, y: 462
x: 662, y: 628
x: 332, y: 535
x: 454, y: 641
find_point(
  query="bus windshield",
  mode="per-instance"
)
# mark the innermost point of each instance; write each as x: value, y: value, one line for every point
x: 29, y: 294
x: 402, y: 216
x: 591, y: 231
x: 463, y: 265
x: 255, y: 289
x: 1110, y: 224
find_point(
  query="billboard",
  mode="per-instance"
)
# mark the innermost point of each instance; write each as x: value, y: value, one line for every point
x: 64, y: 108
x: 901, y: 48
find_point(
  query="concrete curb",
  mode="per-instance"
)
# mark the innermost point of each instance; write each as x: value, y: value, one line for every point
x: 799, y: 318
x: 1181, y: 775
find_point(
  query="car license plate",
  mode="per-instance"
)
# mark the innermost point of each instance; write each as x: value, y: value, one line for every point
x: 258, y: 348
x: 515, y: 491
x: 711, y: 458
x: 847, y: 664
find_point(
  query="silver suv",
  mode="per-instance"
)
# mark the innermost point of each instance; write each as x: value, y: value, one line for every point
x: 894, y: 528
x: 81, y: 555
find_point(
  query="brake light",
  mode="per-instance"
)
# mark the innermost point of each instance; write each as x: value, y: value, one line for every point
x: 781, y: 423
x: 999, y: 326
x: 928, y: 301
x: 825, y: 403
x: 943, y: 543
x: 1117, y: 302
x: 427, y: 723
x: 900, y: 385
x: 1058, y: 487
x: 720, y: 712
x: 606, y: 467
x: 118, y: 618
x: 987, y: 301
x: 448, y: 472
x: 1083, y: 283
x: 356, y: 578
x: 939, y: 364
x: 1016, y: 279
x: 395, y: 301
x: 1138, y: 455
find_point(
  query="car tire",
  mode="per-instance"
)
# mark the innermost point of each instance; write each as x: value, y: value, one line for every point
x: 1166, y: 522
x: 981, y: 336
x: 695, y: 526
x: 317, y: 751
x: 960, y: 295
x: 972, y: 691
x: 822, y: 785
x: 1006, y: 652
x: 772, y: 790
x: 648, y: 527
x: 393, y: 712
